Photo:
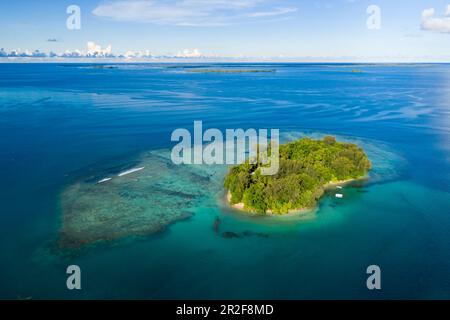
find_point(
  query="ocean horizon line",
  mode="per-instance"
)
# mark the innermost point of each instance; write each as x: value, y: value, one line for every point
x: 30, y: 60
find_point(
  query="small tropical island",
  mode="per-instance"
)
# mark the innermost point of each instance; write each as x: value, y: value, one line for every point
x: 307, y: 168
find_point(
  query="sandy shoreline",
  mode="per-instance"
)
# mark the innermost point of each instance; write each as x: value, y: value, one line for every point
x: 241, y: 207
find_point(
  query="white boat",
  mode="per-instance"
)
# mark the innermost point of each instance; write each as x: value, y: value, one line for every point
x: 339, y: 195
x: 104, y: 180
x: 130, y: 171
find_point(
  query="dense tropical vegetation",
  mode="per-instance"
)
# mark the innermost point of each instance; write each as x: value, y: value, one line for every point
x: 306, y: 167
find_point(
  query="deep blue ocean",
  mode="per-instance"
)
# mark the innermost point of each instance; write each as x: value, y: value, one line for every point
x: 61, y: 122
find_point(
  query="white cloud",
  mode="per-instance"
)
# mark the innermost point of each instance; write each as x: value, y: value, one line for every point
x: 275, y: 12
x: 188, y: 12
x: 437, y: 24
x: 72, y: 54
x: 186, y: 53
x: 94, y: 49
x: 137, y: 54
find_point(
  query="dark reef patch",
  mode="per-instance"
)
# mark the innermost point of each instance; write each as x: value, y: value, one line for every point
x: 243, y: 234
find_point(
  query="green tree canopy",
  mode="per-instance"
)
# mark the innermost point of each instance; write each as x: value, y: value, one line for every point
x: 306, y: 166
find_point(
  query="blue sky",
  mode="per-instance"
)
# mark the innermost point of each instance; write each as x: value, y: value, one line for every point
x: 257, y: 28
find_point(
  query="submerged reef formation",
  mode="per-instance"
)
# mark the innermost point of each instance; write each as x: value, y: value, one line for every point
x: 135, y: 201
x: 307, y: 167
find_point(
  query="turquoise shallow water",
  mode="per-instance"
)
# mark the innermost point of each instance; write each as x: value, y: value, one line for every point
x: 65, y: 124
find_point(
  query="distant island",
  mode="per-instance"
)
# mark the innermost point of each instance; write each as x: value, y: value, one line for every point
x: 193, y: 70
x: 307, y: 167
